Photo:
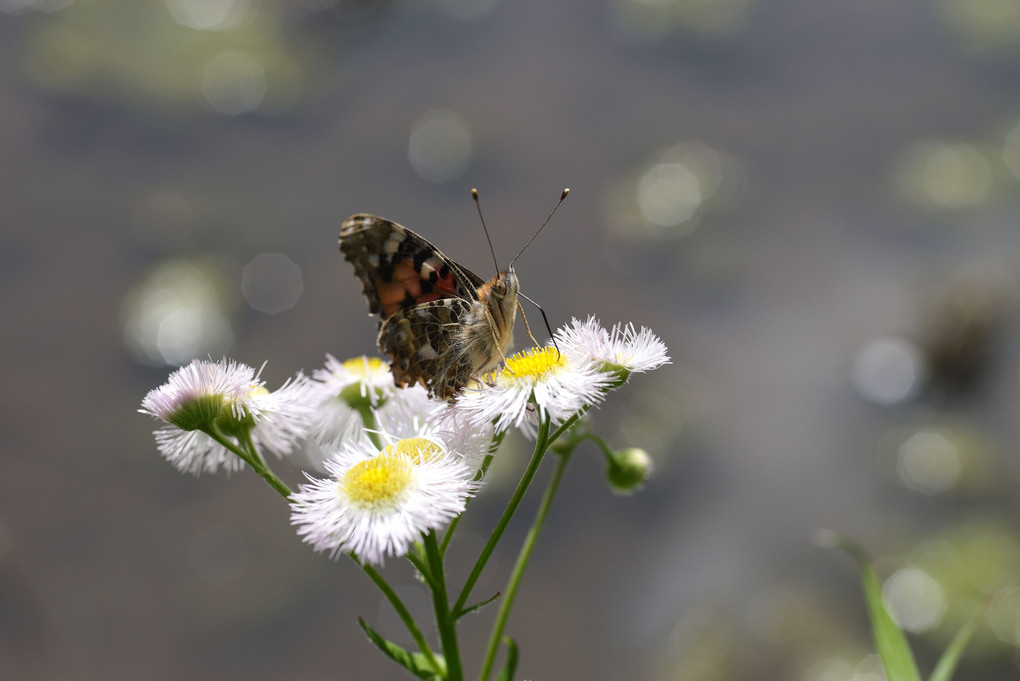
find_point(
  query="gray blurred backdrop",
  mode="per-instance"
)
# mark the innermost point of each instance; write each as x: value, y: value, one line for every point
x: 814, y: 204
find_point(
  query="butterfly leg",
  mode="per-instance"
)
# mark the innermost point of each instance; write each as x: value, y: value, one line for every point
x: 527, y: 326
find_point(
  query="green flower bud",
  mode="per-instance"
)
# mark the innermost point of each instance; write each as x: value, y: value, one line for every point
x: 627, y: 470
x: 198, y: 412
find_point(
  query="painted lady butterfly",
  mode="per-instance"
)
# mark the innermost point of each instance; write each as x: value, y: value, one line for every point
x: 442, y: 324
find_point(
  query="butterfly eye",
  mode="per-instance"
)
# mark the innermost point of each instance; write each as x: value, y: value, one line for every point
x: 499, y: 287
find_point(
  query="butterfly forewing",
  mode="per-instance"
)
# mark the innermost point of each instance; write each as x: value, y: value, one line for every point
x: 441, y: 323
x: 399, y: 268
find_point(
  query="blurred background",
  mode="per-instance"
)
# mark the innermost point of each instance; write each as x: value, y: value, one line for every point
x: 815, y: 205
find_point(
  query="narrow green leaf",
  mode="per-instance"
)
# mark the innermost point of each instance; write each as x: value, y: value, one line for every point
x: 890, y: 641
x: 416, y: 663
x: 507, y: 672
x: 476, y: 607
x: 954, y: 651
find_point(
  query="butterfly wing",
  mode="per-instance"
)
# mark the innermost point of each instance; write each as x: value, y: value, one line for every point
x: 423, y: 298
x: 426, y: 343
x: 399, y: 269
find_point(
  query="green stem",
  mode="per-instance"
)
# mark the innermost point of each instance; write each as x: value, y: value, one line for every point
x: 606, y: 451
x: 497, y: 440
x: 371, y: 425
x: 445, y: 623
x: 403, y: 612
x: 252, y: 458
x: 541, y: 445
x: 513, y: 585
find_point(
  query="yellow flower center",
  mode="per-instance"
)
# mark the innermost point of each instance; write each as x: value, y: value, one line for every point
x: 364, y: 366
x: 417, y: 450
x: 533, y: 362
x: 377, y: 482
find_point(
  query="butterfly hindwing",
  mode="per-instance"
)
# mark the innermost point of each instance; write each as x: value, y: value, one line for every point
x: 425, y: 342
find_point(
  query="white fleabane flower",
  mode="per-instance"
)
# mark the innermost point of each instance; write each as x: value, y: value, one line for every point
x: 622, y: 348
x: 283, y: 417
x: 345, y: 393
x: 377, y: 503
x: 230, y: 399
x: 194, y: 395
x: 538, y: 381
x: 192, y: 451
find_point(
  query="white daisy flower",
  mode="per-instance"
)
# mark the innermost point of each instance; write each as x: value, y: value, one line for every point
x: 283, y: 418
x: 377, y: 504
x: 538, y: 381
x: 194, y: 452
x: 231, y: 399
x: 343, y: 393
x: 194, y: 395
x: 622, y: 348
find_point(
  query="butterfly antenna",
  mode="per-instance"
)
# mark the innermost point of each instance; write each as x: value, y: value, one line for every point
x: 544, y: 319
x: 474, y: 195
x: 562, y: 196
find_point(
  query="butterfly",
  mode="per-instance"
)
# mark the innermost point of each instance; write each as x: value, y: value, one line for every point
x: 442, y: 324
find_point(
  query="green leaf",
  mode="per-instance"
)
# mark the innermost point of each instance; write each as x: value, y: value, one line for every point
x: 416, y: 663
x: 507, y: 672
x: 951, y: 657
x: 477, y: 606
x: 890, y: 641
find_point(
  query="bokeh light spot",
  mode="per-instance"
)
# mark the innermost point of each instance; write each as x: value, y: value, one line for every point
x: 1004, y: 616
x: 983, y: 25
x: 176, y: 313
x: 929, y: 462
x: 669, y: 197
x: 888, y: 370
x: 208, y: 15
x: 945, y: 175
x: 440, y: 145
x: 916, y: 601
x: 271, y: 283
x: 233, y: 83
x: 669, y: 194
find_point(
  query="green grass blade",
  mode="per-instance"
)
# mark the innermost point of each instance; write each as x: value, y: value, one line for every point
x: 954, y: 651
x: 890, y: 642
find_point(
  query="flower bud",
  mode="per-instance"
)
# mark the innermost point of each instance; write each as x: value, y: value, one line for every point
x: 628, y: 469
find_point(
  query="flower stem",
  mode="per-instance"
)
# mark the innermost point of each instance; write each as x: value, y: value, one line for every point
x: 371, y: 425
x: 497, y: 440
x: 541, y: 445
x: 252, y: 458
x: 514, y: 583
x: 446, y: 624
x: 403, y: 612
